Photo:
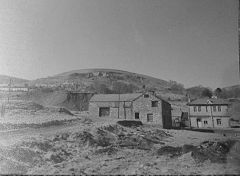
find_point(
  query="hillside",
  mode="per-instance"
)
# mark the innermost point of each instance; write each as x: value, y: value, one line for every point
x: 103, y: 81
x: 232, y: 87
x: 4, y: 80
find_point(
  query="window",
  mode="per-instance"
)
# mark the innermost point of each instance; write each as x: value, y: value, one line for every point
x: 199, y: 108
x: 104, y: 111
x: 136, y: 115
x: 219, y: 108
x: 194, y: 108
x: 149, y: 117
x: 214, y: 108
x: 219, y: 122
x: 154, y: 103
x: 146, y: 96
x: 206, y: 109
x: 205, y: 122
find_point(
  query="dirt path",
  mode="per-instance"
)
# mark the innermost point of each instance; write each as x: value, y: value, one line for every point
x: 15, y: 136
x: 92, y: 151
x: 179, y: 137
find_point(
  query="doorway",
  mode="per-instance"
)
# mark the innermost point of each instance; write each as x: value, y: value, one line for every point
x: 199, y: 123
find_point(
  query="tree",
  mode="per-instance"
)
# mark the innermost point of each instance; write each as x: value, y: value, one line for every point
x: 218, y: 92
x: 120, y: 87
x: 176, y: 87
x: 207, y: 93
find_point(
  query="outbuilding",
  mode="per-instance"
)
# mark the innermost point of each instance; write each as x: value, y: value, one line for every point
x: 146, y: 107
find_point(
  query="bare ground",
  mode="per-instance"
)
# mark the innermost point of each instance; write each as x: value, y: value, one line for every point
x: 99, y: 146
x: 58, y: 143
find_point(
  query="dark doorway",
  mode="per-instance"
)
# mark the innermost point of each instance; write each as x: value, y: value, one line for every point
x: 104, y: 111
x: 136, y: 115
x: 199, y: 123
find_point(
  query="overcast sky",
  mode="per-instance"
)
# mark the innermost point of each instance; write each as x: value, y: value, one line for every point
x: 194, y: 42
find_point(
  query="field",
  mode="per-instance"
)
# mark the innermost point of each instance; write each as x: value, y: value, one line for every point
x: 48, y: 140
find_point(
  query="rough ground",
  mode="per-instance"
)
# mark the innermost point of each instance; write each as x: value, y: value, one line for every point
x: 90, y: 146
x: 59, y: 143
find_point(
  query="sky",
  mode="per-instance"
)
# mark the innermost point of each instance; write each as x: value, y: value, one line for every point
x: 193, y: 42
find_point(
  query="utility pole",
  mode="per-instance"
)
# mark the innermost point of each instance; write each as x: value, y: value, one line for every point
x: 212, y: 116
x: 118, y: 102
x: 124, y: 110
x: 9, y: 87
x: 189, y: 117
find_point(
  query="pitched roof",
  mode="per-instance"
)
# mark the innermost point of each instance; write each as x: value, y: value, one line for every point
x: 207, y: 101
x: 115, y: 97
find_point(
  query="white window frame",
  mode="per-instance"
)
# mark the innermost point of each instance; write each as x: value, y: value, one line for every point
x: 199, y: 108
x: 194, y: 108
x: 219, y: 120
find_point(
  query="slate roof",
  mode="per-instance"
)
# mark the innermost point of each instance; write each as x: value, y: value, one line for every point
x: 207, y: 101
x: 114, y: 97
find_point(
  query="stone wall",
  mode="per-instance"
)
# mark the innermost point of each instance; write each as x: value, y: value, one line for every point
x: 144, y: 107
x: 124, y: 113
x: 141, y: 105
x: 79, y: 100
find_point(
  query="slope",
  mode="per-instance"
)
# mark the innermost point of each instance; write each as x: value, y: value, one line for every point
x: 93, y: 79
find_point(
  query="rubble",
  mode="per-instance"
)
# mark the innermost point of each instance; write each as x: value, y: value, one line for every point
x: 214, y: 151
x: 113, y: 148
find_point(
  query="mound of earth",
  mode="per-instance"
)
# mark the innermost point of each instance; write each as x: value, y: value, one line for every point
x: 111, y: 149
x: 216, y: 152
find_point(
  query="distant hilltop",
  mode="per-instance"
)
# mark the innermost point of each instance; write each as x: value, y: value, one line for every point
x: 102, y: 81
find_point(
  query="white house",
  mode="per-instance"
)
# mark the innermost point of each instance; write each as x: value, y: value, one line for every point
x: 209, y: 113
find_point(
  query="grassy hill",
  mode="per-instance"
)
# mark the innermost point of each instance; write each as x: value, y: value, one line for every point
x: 104, y: 81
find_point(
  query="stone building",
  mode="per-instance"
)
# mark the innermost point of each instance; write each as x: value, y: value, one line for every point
x: 146, y: 107
x: 209, y: 113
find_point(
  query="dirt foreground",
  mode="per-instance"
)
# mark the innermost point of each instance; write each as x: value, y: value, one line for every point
x: 93, y: 146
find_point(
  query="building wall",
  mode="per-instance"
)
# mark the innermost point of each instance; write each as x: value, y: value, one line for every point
x: 161, y: 114
x: 14, y: 89
x: 195, y: 125
x: 94, y: 109
x: 144, y: 107
x: 224, y: 122
x: 206, y: 112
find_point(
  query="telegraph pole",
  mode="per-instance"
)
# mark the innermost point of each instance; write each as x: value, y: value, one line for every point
x: 118, y: 102
x: 124, y: 110
x: 9, y: 88
x: 212, y: 116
